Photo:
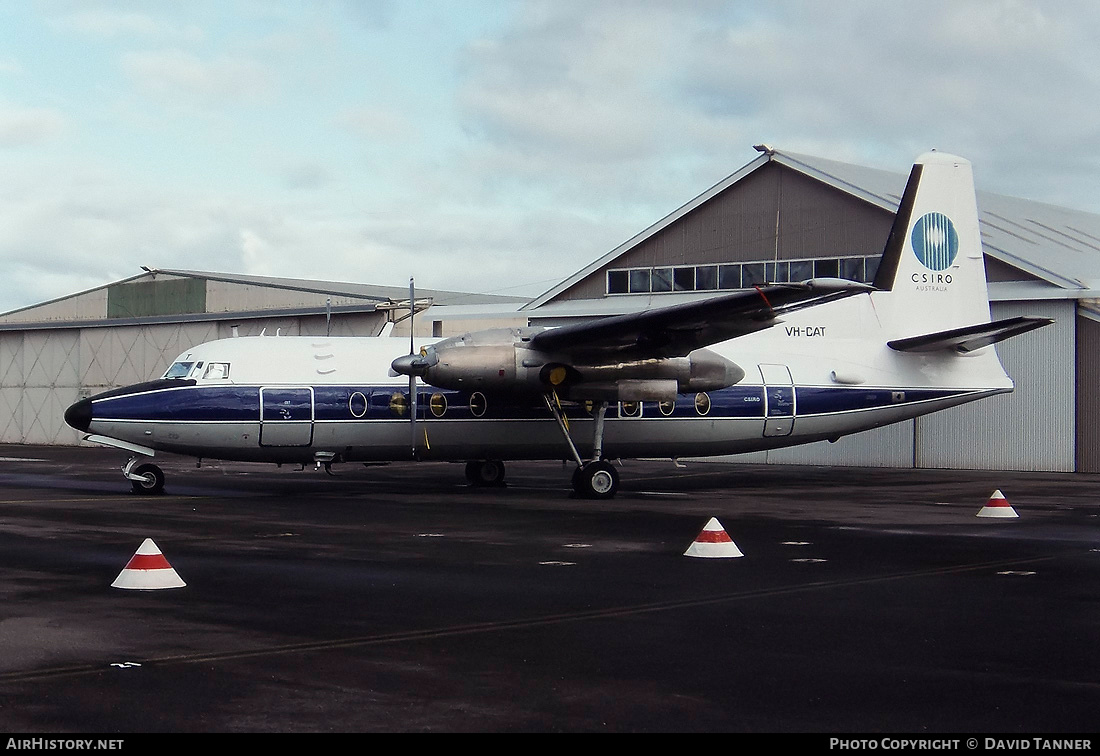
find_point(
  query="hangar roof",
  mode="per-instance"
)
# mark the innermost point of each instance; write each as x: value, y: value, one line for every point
x: 300, y: 296
x: 380, y: 294
x: 1056, y: 245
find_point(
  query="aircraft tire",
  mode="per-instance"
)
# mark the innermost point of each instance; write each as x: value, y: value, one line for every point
x: 152, y: 481
x: 486, y: 472
x: 596, y: 480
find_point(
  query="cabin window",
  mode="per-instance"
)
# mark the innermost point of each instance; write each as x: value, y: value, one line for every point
x: 702, y: 403
x: 399, y: 405
x: 216, y: 371
x: 438, y: 405
x: 179, y: 370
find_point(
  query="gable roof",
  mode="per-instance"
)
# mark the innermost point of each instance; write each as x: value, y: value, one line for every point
x: 1057, y: 245
x: 369, y: 295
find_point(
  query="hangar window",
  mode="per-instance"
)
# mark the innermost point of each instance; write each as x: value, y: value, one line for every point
x: 729, y: 276
x: 827, y: 268
x: 732, y: 276
x: 662, y: 279
x: 752, y: 274
x: 851, y: 268
x: 639, y: 281
x: 706, y: 277
x: 802, y: 270
x: 778, y: 272
x: 683, y: 279
x: 618, y: 282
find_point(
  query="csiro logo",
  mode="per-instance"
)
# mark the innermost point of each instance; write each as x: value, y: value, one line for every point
x: 935, y: 242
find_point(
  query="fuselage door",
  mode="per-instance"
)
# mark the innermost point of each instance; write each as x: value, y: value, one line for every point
x: 286, y: 416
x: 779, y: 409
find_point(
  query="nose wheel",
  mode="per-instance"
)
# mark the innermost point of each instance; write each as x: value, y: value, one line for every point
x: 146, y: 479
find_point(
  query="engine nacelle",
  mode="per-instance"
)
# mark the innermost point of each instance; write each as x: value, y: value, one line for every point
x: 499, y: 360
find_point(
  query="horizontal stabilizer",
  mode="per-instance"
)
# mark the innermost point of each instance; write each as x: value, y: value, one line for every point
x: 971, y: 337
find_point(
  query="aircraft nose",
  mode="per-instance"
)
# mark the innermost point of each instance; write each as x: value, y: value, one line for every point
x: 79, y: 415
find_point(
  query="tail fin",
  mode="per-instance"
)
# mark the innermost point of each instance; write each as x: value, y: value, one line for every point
x: 933, y: 266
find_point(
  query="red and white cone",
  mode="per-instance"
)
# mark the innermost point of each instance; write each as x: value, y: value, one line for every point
x: 148, y: 570
x: 997, y: 506
x: 713, y: 543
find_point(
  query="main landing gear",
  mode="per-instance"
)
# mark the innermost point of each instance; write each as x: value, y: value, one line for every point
x: 486, y: 472
x: 145, y: 478
x: 596, y: 478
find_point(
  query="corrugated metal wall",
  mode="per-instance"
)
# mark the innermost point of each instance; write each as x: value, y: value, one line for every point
x: 891, y: 446
x: 1030, y: 429
x: 43, y: 371
x: 1088, y: 397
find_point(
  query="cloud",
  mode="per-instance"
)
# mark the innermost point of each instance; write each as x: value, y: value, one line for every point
x: 23, y: 127
x: 224, y: 80
x: 377, y: 124
x: 102, y: 22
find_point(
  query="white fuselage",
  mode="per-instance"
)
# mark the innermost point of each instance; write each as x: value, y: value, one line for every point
x: 821, y: 373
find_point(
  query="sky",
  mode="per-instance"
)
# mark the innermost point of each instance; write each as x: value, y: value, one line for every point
x: 490, y: 146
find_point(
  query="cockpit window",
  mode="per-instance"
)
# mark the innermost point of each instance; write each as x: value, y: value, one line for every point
x: 179, y: 370
x: 216, y: 371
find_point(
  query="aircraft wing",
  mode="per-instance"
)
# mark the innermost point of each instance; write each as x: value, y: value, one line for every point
x: 676, y: 330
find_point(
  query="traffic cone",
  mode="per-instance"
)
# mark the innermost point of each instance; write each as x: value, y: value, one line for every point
x: 713, y: 542
x: 148, y: 570
x: 997, y: 506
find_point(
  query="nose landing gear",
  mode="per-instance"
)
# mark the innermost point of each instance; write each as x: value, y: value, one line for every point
x: 145, y: 478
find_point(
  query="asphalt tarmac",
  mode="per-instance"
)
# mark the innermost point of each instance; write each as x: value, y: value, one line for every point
x: 399, y: 599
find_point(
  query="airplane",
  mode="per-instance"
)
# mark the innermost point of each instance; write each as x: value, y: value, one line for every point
x: 768, y: 367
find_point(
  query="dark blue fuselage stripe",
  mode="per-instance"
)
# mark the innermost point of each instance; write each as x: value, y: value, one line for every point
x: 343, y: 403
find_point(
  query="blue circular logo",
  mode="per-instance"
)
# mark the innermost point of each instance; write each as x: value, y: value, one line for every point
x: 935, y: 242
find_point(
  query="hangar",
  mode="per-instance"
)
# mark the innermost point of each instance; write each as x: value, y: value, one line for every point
x: 789, y: 217
x: 783, y: 216
x: 126, y: 332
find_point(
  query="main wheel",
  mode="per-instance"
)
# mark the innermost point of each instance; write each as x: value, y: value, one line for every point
x: 486, y: 472
x: 152, y: 480
x: 596, y: 480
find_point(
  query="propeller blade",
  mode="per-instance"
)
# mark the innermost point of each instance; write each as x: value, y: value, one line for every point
x: 412, y: 375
